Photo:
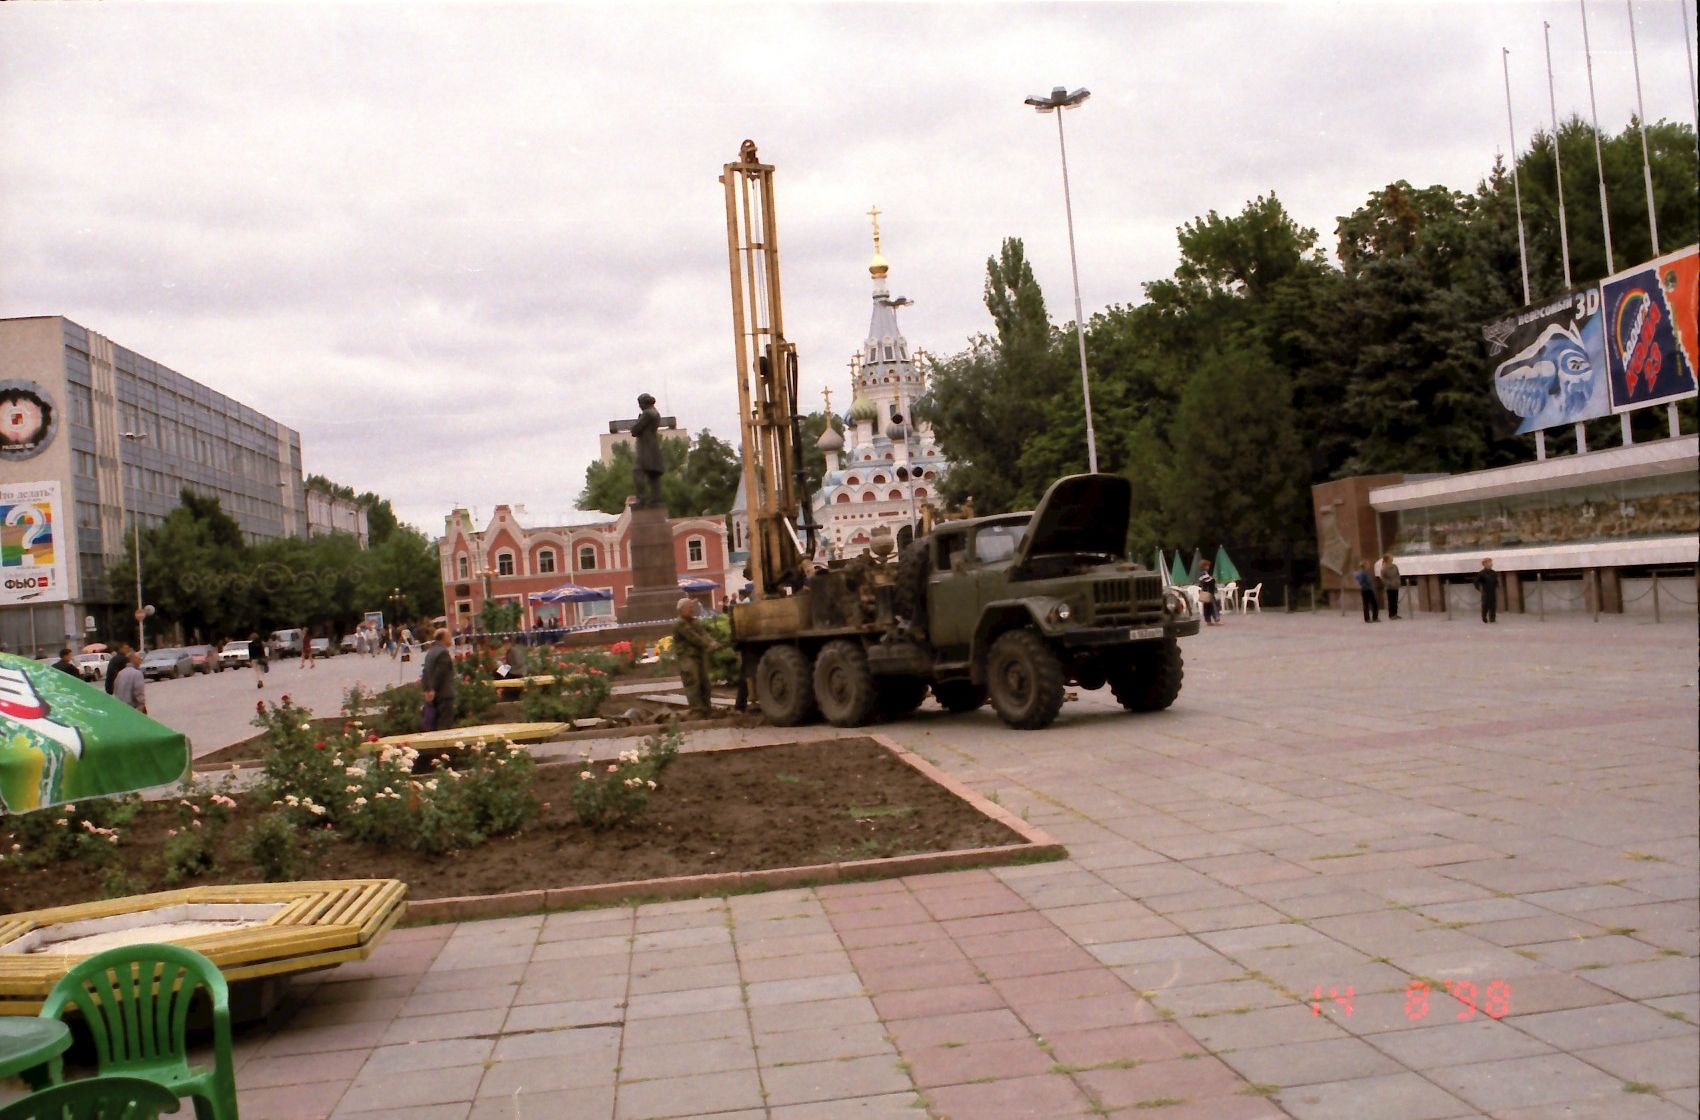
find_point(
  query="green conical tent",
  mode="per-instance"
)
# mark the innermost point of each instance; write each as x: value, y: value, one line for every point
x: 63, y: 740
x: 1177, y: 574
x: 1197, y: 566
x: 1225, y: 571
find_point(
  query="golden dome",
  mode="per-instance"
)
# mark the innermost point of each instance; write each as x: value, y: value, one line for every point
x: 877, y: 267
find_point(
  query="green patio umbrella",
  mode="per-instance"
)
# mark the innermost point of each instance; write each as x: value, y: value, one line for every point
x: 1225, y: 571
x: 1177, y: 574
x: 1197, y: 566
x: 62, y: 740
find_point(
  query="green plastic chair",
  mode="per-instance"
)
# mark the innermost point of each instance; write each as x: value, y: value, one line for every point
x: 135, y: 1000
x: 95, y: 1098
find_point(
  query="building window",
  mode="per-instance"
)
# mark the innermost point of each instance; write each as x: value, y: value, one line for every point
x: 842, y: 499
x: 504, y: 563
x: 546, y: 561
x: 460, y: 566
x: 868, y: 497
x: 889, y: 356
x: 895, y: 495
x: 879, y: 480
x: 694, y: 554
x: 587, y: 558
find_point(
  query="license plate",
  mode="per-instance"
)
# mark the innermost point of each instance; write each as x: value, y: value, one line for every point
x: 1145, y: 633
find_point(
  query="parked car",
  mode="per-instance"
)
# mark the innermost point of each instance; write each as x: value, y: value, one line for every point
x: 92, y: 666
x: 205, y: 659
x: 350, y: 643
x: 169, y: 662
x: 285, y: 643
x: 322, y: 647
x: 233, y: 655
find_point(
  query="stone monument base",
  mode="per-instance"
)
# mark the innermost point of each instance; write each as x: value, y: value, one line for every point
x: 655, y: 590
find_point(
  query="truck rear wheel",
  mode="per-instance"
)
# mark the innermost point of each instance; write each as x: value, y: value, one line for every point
x: 1149, y: 679
x: 959, y: 696
x: 783, y: 688
x: 844, y: 688
x: 898, y: 696
x: 1025, y: 679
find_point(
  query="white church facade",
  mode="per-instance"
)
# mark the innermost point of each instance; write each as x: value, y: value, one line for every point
x: 884, y: 467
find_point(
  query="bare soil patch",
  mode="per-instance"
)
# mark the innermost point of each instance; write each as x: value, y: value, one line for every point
x: 719, y: 811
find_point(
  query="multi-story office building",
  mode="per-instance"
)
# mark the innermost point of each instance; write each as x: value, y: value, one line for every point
x: 328, y: 513
x: 95, y: 438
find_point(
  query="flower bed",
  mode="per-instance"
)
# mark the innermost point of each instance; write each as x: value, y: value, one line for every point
x: 822, y: 803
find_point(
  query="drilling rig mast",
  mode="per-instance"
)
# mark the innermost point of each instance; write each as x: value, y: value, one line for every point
x: 775, y: 486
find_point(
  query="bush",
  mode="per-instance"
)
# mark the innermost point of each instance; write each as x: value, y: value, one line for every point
x: 581, y: 684
x: 192, y: 847
x: 399, y: 710
x: 87, y: 830
x: 272, y: 844
x: 725, y: 663
x: 613, y: 794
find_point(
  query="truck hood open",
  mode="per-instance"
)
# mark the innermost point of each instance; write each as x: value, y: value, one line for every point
x: 1080, y: 513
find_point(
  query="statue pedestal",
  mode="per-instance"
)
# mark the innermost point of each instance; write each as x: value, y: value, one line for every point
x: 655, y: 590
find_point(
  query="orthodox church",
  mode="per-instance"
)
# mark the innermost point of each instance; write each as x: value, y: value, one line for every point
x: 883, y: 468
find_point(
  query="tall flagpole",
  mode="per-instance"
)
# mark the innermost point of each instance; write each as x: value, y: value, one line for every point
x: 1558, y: 165
x: 1516, y: 185
x: 1641, y: 112
x: 1599, y: 159
x: 1563, y: 227
x: 1688, y: 52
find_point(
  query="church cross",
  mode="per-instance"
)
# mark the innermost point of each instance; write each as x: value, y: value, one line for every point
x: 826, y: 392
x: 874, y: 213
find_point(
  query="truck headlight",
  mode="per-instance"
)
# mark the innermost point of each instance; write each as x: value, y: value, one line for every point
x: 1060, y: 613
x: 1174, y: 602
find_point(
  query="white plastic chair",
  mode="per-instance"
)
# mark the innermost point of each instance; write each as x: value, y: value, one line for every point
x: 1230, y: 595
x: 1252, y: 598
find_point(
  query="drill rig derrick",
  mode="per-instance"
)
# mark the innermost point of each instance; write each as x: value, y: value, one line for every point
x: 775, y: 482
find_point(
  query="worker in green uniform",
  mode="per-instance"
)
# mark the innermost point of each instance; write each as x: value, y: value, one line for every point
x: 691, y: 645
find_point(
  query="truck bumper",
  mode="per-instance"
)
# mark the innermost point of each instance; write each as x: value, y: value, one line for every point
x: 1121, y: 635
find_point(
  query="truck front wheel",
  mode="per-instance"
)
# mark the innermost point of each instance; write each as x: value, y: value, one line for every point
x: 844, y: 688
x: 1149, y: 678
x: 783, y: 687
x: 1025, y: 679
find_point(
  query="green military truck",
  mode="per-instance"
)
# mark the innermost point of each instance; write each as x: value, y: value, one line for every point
x: 1011, y: 608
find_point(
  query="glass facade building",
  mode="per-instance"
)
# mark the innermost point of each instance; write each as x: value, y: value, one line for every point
x: 123, y: 435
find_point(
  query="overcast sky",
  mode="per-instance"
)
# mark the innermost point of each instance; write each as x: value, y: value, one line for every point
x: 448, y: 243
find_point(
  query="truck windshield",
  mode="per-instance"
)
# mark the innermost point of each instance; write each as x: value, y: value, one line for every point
x: 997, y: 542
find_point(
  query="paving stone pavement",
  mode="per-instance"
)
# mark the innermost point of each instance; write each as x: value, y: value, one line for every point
x: 1420, y: 871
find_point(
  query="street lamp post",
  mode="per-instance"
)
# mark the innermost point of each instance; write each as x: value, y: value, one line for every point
x: 1059, y: 99
x: 123, y: 515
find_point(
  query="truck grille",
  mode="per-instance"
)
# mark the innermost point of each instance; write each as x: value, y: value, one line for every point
x: 1125, y: 601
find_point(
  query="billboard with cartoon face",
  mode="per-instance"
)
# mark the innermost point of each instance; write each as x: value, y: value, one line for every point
x: 1551, y: 367
x: 1649, y: 316
x: 32, y: 553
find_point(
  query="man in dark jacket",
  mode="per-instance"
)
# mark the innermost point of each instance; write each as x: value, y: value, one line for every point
x: 437, y: 678
x: 116, y: 665
x: 259, y: 658
x: 1487, y: 582
x: 1366, y: 588
x: 1390, y: 577
x: 66, y: 665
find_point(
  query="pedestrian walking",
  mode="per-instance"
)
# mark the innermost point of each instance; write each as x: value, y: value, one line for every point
x: 1487, y: 582
x: 129, y: 685
x: 308, y: 661
x: 1207, y: 595
x: 66, y: 665
x: 1390, y: 580
x: 691, y: 644
x: 437, y: 680
x: 115, y: 665
x: 1366, y: 587
x: 259, y: 658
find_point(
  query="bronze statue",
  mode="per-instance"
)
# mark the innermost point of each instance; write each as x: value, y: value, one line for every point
x: 647, y: 464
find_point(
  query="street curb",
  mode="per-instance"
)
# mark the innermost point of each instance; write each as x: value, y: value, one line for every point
x: 1037, y: 846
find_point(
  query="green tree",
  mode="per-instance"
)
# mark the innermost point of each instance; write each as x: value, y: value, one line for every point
x: 701, y: 477
x: 1237, y: 474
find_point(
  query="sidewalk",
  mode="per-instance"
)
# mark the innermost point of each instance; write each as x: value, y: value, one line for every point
x: 1330, y: 813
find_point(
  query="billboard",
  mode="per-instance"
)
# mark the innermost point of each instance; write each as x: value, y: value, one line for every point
x: 1551, y: 359
x: 1649, y: 315
x: 32, y: 551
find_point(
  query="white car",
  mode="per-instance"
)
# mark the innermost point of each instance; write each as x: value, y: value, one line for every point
x: 93, y: 666
x: 233, y: 654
